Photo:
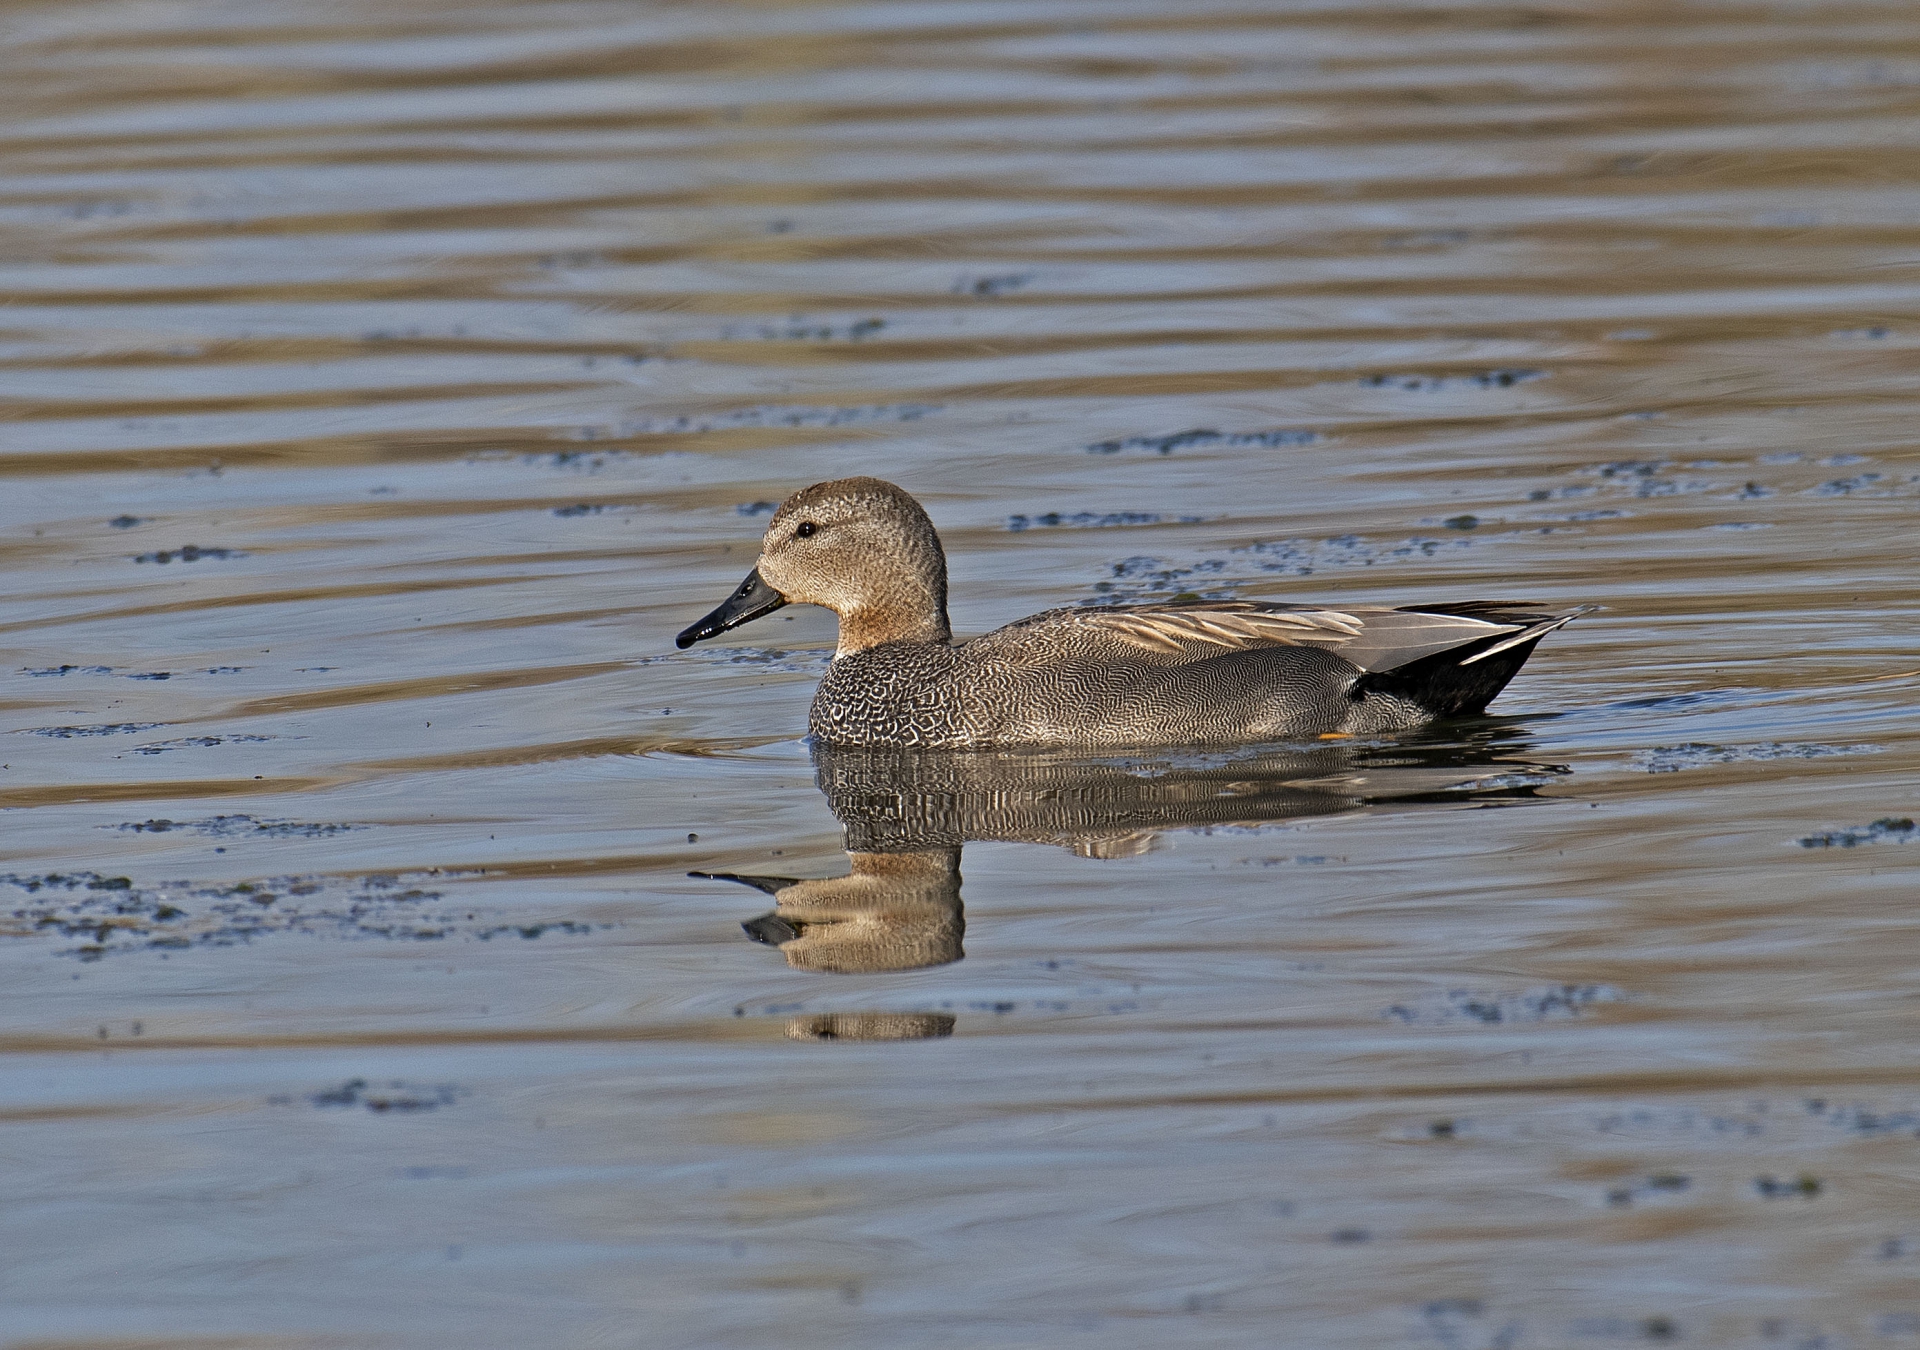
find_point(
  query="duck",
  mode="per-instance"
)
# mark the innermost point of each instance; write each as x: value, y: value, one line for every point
x: 1182, y: 672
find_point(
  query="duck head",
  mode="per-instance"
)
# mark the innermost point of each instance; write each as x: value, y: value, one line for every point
x: 860, y: 547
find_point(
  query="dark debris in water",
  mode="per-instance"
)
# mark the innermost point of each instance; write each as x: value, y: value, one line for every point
x: 769, y: 658
x: 1863, y: 485
x: 125, y: 522
x: 1886, y: 830
x: 1208, y: 436
x: 588, y: 509
x: 1652, y: 478
x: 102, y: 729
x: 1862, y: 1120
x: 55, y: 672
x: 1802, y: 1187
x: 530, y: 931
x: 992, y: 287
x: 114, y: 915
x: 1641, y: 1121
x: 1643, y: 478
x: 190, y: 553
x: 106, y: 911
x: 805, y: 415
x: 798, y: 328
x: 236, y: 827
x: 1303, y: 557
x: 1533, y: 1005
x: 1659, y: 1184
x: 1466, y: 1324
x: 1658, y: 1330
x: 1091, y: 520
x: 1144, y: 578
x: 392, y: 1096
x: 592, y: 461
x: 1428, y: 384
x: 1694, y: 754
x: 1426, y: 238
x: 91, y: 881
x: 198, y: 742
x: 756, y: 508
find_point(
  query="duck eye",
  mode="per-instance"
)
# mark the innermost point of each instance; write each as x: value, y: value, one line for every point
x: 806, y: 530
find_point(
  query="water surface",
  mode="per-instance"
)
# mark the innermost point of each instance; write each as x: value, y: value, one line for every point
x: 386, y: 384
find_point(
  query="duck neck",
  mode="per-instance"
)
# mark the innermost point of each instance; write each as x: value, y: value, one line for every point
x: 908, y: 609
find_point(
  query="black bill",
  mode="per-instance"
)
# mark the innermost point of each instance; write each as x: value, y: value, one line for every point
x: 771, y: 930
x: 753, y: 599
x: 771, y: 885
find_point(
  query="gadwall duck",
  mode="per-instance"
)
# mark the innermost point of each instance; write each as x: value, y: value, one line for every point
x: 1195, y: 672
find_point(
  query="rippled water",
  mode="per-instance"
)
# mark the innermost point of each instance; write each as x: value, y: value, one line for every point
x: 386, y: 384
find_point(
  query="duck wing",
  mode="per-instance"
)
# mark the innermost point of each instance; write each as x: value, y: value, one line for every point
x: 1392, y: 638
x: 1371, y: 637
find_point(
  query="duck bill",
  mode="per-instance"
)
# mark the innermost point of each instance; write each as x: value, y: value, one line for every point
x: 753, y: 599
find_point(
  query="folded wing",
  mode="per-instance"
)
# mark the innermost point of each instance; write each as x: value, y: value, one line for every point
x: 1373, y: 638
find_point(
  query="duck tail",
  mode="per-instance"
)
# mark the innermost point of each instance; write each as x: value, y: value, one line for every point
x: 1462, y: 681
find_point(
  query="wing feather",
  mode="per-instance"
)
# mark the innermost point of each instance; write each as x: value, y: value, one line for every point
x: 1373, y: 638
x: 1228, y: 625
x: 1529, y: 633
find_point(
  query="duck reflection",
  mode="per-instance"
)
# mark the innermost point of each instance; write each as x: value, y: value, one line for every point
x: 893, y: 911
x: 908, y: 813
x: 871, y: 1026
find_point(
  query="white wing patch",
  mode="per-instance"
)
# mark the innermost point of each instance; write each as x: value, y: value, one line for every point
x: 1229, y: 627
